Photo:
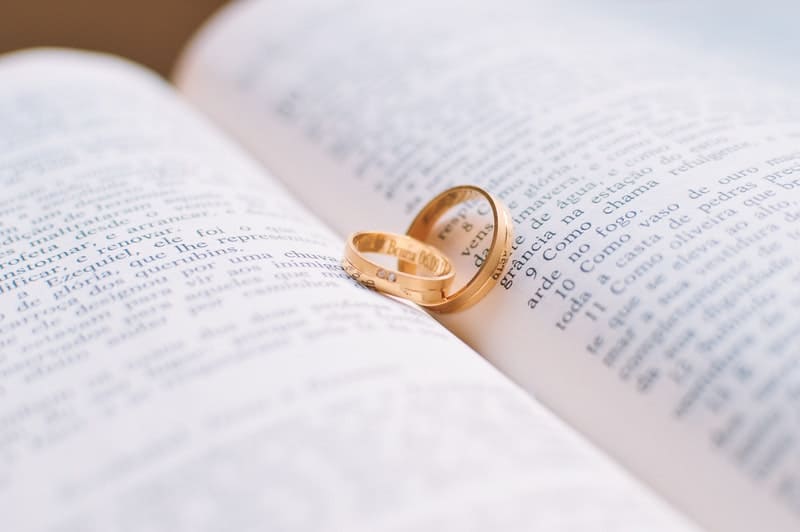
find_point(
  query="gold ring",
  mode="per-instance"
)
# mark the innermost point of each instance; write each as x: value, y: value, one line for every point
x: 499, y: 251
x: 417, y: 288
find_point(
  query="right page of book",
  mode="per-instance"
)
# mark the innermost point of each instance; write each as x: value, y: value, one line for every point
x: 654, y: 190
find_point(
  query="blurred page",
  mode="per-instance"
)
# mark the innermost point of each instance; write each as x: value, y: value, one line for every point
x: 651, y: 297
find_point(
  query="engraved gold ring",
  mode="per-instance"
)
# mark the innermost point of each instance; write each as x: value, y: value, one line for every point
x: 423, y: 290
x: 499, y: 251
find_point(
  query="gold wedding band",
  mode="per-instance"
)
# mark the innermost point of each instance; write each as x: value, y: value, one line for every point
x: 423, y: 290
x: 499, y: 251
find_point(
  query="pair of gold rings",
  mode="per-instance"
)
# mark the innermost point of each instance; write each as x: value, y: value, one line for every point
x: 431, y: 291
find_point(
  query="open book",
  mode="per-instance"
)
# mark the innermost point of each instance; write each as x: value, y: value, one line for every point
x: 180, y: 349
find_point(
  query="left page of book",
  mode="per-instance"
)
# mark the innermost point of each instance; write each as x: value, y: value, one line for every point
x: 179, y: 349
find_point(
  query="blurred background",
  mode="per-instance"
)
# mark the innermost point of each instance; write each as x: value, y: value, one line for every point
x: 763, y: 35
x: 151, y: 32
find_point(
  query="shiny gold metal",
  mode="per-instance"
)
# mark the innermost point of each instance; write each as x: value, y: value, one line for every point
x: 423, y: 290
x: 499, y: 253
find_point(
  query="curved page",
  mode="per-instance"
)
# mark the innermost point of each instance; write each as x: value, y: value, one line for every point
x: 652, y: 294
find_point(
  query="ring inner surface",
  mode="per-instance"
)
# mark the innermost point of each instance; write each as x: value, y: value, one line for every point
x: 406, y: 249
x: 423, y: 226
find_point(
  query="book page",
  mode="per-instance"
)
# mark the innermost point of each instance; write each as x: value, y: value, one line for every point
x: 651, y: 297
x: 180, y: 349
